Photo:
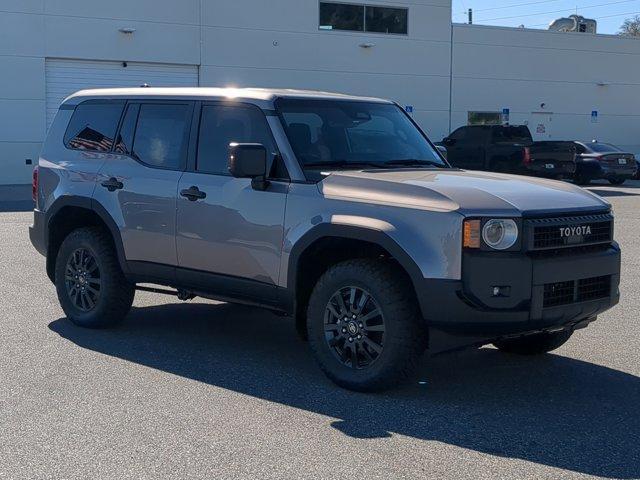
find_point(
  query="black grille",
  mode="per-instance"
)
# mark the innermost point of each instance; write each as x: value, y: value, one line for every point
x: 559, y: 293
x: 594, y: 288
x: 564, y: 232
x: 572, y: 291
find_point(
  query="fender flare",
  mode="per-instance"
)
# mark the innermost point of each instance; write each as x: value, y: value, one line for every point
x: 93, y: 206
x: 351, y: 232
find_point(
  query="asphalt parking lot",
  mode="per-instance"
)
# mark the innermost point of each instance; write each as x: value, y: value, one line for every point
x: 207, y: 390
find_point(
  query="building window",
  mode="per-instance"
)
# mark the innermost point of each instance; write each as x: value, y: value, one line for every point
x: 484, y: 118
x: 386, y: 20
x: 363, y: 18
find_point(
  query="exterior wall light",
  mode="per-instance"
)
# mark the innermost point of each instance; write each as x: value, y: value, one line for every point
x: 367, y: 45
x: 127, y: 30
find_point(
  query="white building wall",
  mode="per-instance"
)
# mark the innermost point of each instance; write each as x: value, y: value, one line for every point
x: 277, y: 43
x: 240, y: 42
x: 495, y: 68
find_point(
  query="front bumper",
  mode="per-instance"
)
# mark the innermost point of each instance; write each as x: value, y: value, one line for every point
x: 596, y: 170
x: 538, y: 293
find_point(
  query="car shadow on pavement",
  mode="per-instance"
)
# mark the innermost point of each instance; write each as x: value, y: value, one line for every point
x: 613, y: 193
x: 551, y: 410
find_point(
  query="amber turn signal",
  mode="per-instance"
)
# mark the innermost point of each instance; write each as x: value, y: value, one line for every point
x: 471, y: 234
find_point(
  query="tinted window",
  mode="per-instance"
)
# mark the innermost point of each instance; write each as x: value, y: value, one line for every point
x: 460, y: 134
x: 221, y: 125
x: 162, y: 134
x: 322, y: 132
x: 93, y: 126
x: 602, y: 148
x: 386, y: 20
x: 124, y: 142
x: 512, y: 135
x: 341, y: 16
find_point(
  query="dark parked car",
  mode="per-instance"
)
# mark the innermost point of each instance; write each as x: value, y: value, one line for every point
x: 596, y: 161
x: 509, y: 149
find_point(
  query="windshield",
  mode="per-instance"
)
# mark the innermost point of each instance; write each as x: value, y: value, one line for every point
x: 602, y: 148
x: 347, y: 134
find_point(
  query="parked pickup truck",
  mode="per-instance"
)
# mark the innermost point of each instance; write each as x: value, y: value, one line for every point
x: 509, y: 149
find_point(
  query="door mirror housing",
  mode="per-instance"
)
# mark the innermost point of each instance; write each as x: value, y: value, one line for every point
x: 448, y: 141
x: 249, y: 160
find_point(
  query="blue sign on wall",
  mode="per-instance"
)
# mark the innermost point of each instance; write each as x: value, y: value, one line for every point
x: 505, y: 115
x: 594, y: 116
x: 409, y: 108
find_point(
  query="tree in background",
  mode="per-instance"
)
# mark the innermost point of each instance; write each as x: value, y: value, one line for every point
x: 631, y: 27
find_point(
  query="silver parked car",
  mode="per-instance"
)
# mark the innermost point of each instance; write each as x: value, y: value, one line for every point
x: 334, y: 210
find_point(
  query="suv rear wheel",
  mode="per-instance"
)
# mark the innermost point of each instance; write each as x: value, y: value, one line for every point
x: 616, y: 181
x: 534, y: 344
x: 91, y: 287
x: 364, y: 325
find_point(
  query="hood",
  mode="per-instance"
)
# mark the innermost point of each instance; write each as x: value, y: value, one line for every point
x: 470, y: 193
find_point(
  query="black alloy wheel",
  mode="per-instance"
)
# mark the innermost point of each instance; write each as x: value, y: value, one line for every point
x: 354, y: 327
x: 82, y: 280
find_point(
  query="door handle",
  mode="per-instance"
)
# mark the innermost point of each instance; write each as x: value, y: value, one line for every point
x: 112, y: 184
x: 193, y: 194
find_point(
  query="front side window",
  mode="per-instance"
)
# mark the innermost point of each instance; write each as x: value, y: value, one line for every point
x: 221, y: 125
x: 343, y: 134
x: 363, y: 18
x: 161, y: 135
x: 93, y: 126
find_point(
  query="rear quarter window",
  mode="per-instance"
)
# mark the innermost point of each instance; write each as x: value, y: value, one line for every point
x: 93, y: 126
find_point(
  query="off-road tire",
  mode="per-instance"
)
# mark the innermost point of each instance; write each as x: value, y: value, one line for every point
x: 405, y: 337
x: 536, y: 344
x: 116, y: 293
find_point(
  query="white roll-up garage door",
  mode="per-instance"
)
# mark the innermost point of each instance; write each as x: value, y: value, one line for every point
x: 64, y: 77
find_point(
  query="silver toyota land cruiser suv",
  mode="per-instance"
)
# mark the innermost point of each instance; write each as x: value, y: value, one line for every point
x: 335, y: 210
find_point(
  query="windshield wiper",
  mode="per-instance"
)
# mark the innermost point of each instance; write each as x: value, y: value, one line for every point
x: 412, y: 162
x: 343, y: 164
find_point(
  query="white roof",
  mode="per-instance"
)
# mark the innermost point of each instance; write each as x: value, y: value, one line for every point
x: 257, y: 95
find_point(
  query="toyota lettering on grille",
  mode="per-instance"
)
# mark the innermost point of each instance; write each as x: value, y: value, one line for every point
x: 567, y: 232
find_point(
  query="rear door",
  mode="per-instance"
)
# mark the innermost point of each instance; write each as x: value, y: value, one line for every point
x: 229, y: 237
x: 137, y: 185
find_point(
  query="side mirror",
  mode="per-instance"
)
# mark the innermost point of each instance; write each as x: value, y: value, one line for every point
x: 249, y: 160
x: 448, y: 141
x: 442, y: 150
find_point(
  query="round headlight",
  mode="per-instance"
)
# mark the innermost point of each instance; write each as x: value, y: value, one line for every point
x: 500, y: 234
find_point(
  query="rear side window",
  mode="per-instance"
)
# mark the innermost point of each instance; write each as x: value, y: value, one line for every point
x: 161, y: 134
x: 221, y: 125
x: 512, y: 135
x: 93, y: 126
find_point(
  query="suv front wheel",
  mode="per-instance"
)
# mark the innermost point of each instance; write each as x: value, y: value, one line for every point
x: 91, y: 287
x: 364, y: 325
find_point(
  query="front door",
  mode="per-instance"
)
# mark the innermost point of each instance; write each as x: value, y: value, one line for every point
x: 229, y: 236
